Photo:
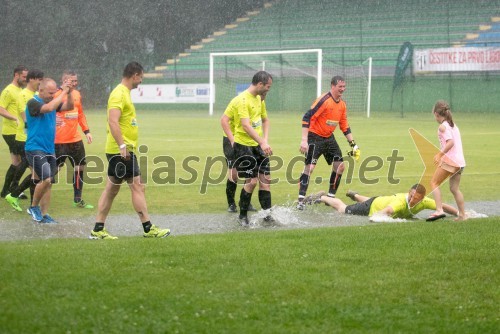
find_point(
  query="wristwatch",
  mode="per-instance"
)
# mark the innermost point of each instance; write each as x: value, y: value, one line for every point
x: 122, y: 146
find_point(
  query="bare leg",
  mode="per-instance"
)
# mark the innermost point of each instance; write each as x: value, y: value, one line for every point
x: 457, y: 194
x: 250, y: 185
x: 360, y: 198
x: 335, y: 203
x: 41, y: 188
x: 106, y: 200
x: 45, y: 200
x: 232, y: 175
x: 139, y: 198
x: 438, y: 178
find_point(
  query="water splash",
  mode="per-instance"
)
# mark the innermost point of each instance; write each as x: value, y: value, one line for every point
x: 381, y: 218
x: 474, y: 214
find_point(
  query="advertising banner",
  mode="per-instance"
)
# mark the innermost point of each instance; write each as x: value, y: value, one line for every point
x: 465, y: 59
x: 181, y: 93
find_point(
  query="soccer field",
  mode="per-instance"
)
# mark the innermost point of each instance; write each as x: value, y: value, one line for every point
x: 182, y: 159
x: 411, y: 277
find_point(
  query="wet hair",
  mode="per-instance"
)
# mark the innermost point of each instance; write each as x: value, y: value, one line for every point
x: 131, y: 69
x: 34, y: 74
x: 20, y: 69
x: 442, y: 108
x: 336, y: 79
x: 419, y: 188
x: 69, y: 72
x: 261, y: 76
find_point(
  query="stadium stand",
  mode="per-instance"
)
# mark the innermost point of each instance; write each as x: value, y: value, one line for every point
x: 349, y: 32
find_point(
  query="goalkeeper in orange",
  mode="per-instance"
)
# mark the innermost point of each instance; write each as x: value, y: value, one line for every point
x: 318, y: 125
x: 69, y: 143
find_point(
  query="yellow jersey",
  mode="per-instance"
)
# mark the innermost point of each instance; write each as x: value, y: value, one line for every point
x: 9, y: 100
x: 248, y: 106
x: 230, y: 113
x: 120, y: 99
x: 26, y: 95
x: 399, y: 203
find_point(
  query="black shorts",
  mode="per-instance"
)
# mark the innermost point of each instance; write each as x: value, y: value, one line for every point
x: 319, y: 146
x: 122, y: 169
x: 11, y: 142
x: 74, y: 151
x: 19, y: 148
x: 43, y: 164
x: 228, y: 152
x: 361, y: 208
x: 250, y: 161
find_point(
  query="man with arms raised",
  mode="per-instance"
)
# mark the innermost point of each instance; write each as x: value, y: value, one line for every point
x: 40, y: 151
x: 69, y: 143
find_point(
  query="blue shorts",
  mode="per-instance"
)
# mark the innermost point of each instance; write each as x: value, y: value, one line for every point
x: 43, y: 164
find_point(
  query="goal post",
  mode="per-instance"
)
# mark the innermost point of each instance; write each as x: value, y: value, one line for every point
x: 299, y: 76
x: 234, y: 69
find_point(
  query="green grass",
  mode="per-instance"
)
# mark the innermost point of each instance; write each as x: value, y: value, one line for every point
x: 407, y: 278
x: 412, y: 277
x: 183, y: 134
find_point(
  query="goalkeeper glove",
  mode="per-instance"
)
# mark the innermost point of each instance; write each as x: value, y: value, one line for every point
x: 355, y: 151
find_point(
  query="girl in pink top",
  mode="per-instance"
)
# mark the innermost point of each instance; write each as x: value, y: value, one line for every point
x: 450, y: 160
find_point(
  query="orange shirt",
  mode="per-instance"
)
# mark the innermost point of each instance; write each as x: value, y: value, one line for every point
x: 324, y: 116
x: 68, y: 121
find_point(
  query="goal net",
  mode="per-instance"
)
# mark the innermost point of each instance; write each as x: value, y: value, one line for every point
x: 299, y: 76
x: 358, y: 83
x: 296, y: 77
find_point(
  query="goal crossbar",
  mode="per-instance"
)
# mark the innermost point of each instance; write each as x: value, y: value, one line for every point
x: 319, y: 53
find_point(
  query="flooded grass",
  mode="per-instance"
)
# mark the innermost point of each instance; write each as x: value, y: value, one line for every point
x: 19, y: 226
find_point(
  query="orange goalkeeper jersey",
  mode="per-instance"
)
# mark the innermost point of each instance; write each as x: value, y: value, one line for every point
x: 69, y: 120
x: 325, y: 115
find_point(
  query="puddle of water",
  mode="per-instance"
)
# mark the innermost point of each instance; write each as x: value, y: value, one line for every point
x: 21, y: 227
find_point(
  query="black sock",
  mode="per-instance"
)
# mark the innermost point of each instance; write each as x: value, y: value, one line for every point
x: 230, y: 191
x: 334, y: 182
x: 9, y: 176
x: 25, y: 184
x: 265, y: 199
x: 146, y: 226
x: 20, y: 169
x: 304, y: 183
x: 98, y: 227
x: 77, y: 185
x: 245, y: 199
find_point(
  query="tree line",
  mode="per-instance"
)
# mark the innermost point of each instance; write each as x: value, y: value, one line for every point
x: 97, y: 38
